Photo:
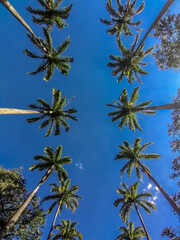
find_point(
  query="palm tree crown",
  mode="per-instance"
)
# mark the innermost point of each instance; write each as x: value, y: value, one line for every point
x: 50, y: 55
x: 129, y: 233
x: 122, y: 18
x: 64, y: 195
x: 55, y: 114
x: 126, y: 110
x: 51, y: 15
x: 134, y: 155
x: 67, y: 231
x: 129, y: 64
x: 130, y: 198
x: 52, y: 160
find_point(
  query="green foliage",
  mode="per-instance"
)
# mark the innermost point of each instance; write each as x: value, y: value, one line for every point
x: 130, y: 198
x: 174, y: 131
x: 171, y: 233
x: 134, y: 155
x: 67, y: 231
x: 50, y: 56
x: 13, y: 193
x: 50, y: 14
x: 130, y: 63
x: 126, y: 110
x: 52, y: 159
x: 168, y: 32
x: 55, y: 115
x: 63, y: 195
x: 121, y: 19
x: 129, y: 233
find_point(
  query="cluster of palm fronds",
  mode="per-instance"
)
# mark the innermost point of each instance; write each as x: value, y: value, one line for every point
x: 52, y: 115
x: 129, y: 64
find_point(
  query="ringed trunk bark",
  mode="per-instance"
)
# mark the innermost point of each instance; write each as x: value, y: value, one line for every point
x: 53, y: 223
x: 173, y: 204
x: 16, y: 111
x: 13, y: 11
x: 159, y: 16
x: 137, y: 210
x: 15, y: 217
x: 171, y: 106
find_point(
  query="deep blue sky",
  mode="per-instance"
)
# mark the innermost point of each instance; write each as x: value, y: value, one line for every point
x: 92, y: 141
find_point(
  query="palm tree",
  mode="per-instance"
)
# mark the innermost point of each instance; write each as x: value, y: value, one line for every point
x: 129, y: 64
x: 126, y: 110
x: 129, y: 233
x: 159, y: 16
x: 63, y: 195
x: 50, y: 56
x: 131, y: 199
x: 121, y: 19
x: 13, y: 11
x: 134, y: 155
x: 52, y: 161
x: 67, y: 231
x: 50, y: 14
x: 55, y: 114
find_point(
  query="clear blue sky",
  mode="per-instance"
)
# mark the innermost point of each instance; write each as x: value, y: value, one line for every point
x: 92, y: 141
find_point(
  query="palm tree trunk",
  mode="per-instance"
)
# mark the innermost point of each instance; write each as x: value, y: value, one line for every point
x: 16, y: 111
x: 17, y: 214
x: 162, y: 107
x: 137, y: 210
x: 54, y: 220
x: 159, y: 16
x: 173, y: 204
x: 13, y: 11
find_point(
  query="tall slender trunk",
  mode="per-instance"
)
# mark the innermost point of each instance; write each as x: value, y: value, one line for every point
x: 137, y: 210
x: 16, y: 111
x: 161, y: 189
x: 54, y: 220
x: 163, y: 107
x: 17, y: 214
x: 159, y: 16
x: 13, y: 11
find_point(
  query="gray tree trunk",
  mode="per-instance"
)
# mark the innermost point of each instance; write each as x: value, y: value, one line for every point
x: 171, y: 106
x: 159, y: 16
x: 53, y: 223
x: 16, y: 111
x: 137, y: 210
x: 15, y: 217
x: 173, y: 204
x: 13, y: 11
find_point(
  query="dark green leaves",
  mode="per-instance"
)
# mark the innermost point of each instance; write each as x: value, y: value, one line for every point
x: 130, y: 63
x: 55, y: 115
x: 50, y: 15
x: 121, y: 19
x: 126, y: 110
x: 50, y: 56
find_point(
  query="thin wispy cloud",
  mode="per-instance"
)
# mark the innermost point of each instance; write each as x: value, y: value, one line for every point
x: 79, y: 165
x: 149, y: 186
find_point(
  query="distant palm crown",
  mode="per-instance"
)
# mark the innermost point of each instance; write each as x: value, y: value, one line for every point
x: 130, y: 198
x: 63, y: 195
x: 67, y: 231
x: 122, y: 19
x: 52, y: 160
x: 51, y: 15
x: 129, y: 64
x: 129, y: 233
x: 55, y: 113
x: 50, y: 55
x: 126, y: 110
x: 134, y: 155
